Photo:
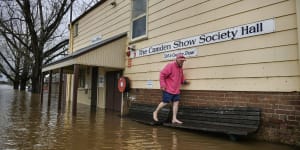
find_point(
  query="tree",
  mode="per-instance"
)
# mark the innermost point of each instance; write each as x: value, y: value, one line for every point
x: 11, y: 49
x: 12, y: 66
x: 41, y: 19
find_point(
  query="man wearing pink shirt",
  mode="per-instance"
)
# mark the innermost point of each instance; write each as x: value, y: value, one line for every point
x: 171, y: 78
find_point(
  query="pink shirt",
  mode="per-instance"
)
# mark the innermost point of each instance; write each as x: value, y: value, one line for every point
x: 171, y: 77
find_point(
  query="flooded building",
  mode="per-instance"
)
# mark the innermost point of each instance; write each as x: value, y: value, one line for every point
x: 239, y: 54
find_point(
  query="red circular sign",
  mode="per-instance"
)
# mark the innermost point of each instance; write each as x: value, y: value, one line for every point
x: 122, y: 84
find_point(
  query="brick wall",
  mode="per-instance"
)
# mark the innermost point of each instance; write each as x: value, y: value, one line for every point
x: 280, y: 110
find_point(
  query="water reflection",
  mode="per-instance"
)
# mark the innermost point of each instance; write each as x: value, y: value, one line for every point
x: 27, y: 124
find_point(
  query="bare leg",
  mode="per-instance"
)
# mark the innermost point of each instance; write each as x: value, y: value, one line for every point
x: 175, y: 110
x: 159, y: 107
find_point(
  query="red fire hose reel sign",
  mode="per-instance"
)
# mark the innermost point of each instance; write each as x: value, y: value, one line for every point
x: 122, y: 84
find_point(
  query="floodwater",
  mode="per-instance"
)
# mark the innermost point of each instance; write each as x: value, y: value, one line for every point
x: 27, y: 125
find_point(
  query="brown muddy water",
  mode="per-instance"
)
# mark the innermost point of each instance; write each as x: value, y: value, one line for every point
x: 25, y: 124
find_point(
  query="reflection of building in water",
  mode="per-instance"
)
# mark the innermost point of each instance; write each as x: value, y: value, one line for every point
x: 174, y: 141
x: 155, y: 138
x: 54, y: 85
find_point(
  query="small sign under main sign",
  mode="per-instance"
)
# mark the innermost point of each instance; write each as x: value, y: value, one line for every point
x: 187, y: 53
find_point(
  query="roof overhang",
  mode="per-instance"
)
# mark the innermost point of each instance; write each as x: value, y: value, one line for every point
x: 108, y: 53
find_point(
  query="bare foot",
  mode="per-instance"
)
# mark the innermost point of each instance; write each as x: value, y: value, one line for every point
x: 176, y: 122
x: 155, y: 116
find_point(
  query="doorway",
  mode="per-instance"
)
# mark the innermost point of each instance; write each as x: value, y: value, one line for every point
x: 113, y: 96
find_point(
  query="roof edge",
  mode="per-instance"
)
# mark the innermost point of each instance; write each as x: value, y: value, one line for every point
x: 87, y: 49
x: 88, y: 11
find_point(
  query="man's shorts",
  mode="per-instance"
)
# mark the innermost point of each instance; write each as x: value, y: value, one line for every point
x: 168, y: 97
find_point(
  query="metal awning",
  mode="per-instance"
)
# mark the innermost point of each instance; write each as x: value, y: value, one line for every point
x: 107, y: 53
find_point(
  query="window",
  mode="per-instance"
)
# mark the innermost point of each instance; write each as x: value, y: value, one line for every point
x: 139, y: 19
x: 75, y: 30
x: 81, y: 77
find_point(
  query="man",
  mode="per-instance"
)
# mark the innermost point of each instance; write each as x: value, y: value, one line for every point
x: 171, y: 78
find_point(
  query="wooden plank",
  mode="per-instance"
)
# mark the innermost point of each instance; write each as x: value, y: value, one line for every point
x: 216, y: 109
x: 210, y: 128
x: 281, y: 57
x: 185, y: 10
x: 94, y: 25
x: 168, y: 26
x: 233, y: 69
x: 218, y: 119
x: 275, y: 84
x: 161, y: 6
x: 228, y: 120
x: 221, y: 121
x: 143, y: 113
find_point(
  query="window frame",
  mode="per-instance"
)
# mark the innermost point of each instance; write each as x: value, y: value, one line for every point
x: 81, y: 77
x: 145, y: 36
x: 75, y: 30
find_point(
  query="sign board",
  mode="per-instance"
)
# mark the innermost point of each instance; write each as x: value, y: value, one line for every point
x: 242, y: 31
x: 96, y: 39
x: 101, y: 81
x: 149, y: 84
x: 122, y: 84
x: 187, y: 53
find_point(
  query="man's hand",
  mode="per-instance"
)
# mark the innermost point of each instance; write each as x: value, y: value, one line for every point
x: 185, y: 82
x: 163, y: 88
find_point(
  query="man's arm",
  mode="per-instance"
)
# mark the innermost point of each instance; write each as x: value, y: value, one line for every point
x: 183, y: 80
x: 163, y: 76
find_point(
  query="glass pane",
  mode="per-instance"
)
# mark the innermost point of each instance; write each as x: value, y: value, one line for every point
x: 139, y: 27
x: 138, y: 7
x: 75, y: 30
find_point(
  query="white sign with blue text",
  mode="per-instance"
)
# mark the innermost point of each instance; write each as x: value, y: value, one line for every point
x: 187, y: 53
x: 149, y: 84
x: 242, y: 31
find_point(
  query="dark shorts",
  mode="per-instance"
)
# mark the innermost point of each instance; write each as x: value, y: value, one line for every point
x: 168, y: 97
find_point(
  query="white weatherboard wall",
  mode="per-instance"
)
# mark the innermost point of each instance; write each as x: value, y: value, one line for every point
x: 267, y: 61
x: 102, y: 23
